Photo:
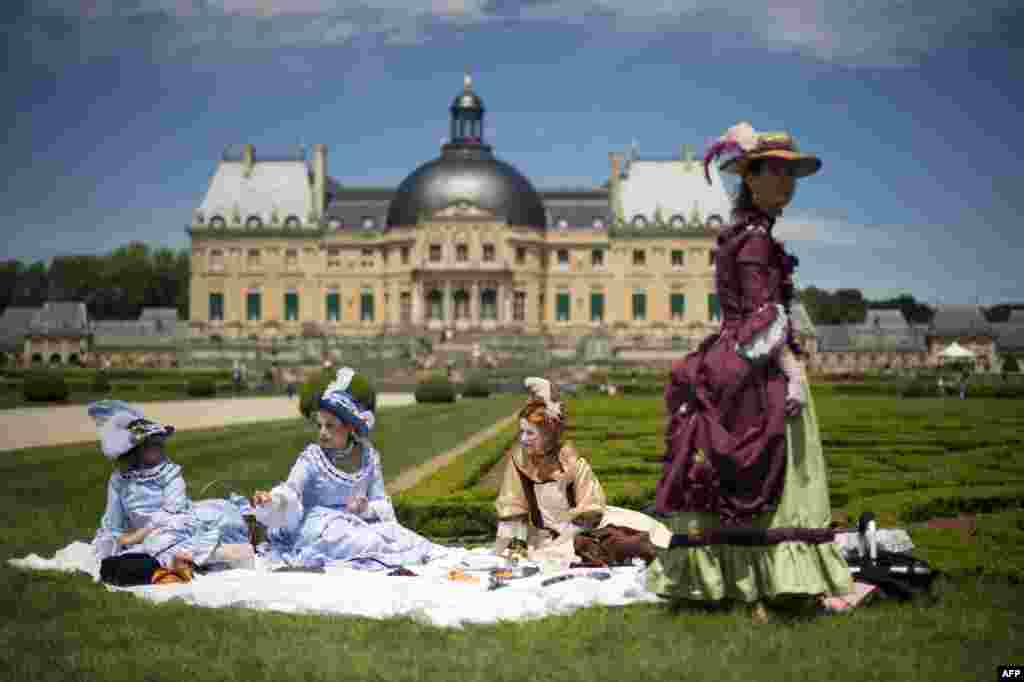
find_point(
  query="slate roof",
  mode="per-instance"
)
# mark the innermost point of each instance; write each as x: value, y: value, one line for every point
x: 959, y: 320
x: 674, y: 185
x: 351, y: 206
x: 861, y: 338
x: 885, y: 319
x: 1016, y: 317
x: 1009, y: 337
x: 578, y: 208
x: 268, y: 185
x: 14, y: 325
x: 61, y: 318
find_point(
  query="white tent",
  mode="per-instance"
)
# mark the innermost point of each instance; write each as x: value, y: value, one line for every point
x: 956, y: 352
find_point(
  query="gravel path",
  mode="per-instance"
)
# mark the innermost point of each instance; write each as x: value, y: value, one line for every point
x: 28, y: 427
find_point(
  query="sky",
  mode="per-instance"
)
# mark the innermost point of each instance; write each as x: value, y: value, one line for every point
x: 118, y: 112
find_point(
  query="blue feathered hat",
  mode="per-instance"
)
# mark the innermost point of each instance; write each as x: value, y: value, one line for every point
x: 352, y: 400
x: 122, y: 427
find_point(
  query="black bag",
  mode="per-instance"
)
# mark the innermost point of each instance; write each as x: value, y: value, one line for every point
x: 899, y: 575
x: 126, y: 570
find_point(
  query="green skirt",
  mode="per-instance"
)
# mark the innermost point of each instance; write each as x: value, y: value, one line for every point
x: 717, y: 572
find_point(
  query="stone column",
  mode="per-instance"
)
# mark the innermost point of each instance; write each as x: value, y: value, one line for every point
x: 500, y: 303
x: 474, y: 304
x: 417, y: 302
x: 446, y: 303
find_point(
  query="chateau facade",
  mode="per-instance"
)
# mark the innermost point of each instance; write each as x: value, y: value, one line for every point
x: 465, y: 243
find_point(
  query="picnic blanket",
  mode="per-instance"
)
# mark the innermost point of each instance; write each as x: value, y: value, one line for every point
x: 429, y: 597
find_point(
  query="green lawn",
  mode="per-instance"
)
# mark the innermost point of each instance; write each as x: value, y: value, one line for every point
x: 908, y: 458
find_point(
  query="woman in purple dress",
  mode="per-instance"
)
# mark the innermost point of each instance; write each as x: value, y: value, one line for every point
x: 744, y: 483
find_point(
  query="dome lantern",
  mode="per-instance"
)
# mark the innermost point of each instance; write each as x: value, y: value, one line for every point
x: 467, y: 120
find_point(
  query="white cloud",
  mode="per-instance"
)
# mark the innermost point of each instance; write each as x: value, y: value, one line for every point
x: 822, y: 229
x: 852, y: 32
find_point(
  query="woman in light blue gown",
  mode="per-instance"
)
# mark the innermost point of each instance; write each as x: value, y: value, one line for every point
x: 148, y: 509
x: 333, y: 509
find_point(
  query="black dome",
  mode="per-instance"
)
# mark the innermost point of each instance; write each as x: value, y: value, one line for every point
x: 467, y: 173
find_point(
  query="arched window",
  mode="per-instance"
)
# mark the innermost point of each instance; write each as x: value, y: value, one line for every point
x: 335, y: 224
x: 254, y: 222
x: 218, y: 222
x: 292, y: 222
x: 714, y: 222
x: 598, y: 224
x: 369, y: 223
x: 639, y: 222
x: 55, y: 359
x: 74, y: 360
x: 677, y: 221
x: 488, y: 304
x: 563, y: 224
x: 461, y: 299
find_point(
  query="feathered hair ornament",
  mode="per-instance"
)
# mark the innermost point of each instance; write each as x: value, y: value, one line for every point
x: 542, y: 404
x: 122, y: 427
x: 340, y: 399
x: 740, y: 139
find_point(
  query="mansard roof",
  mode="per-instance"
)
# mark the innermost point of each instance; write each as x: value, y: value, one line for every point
x: 1009, y: 337
x: 959, y: 320
x: 675, y: 186
x: 14, y: 325
x: 61, y: 317
x: 262, y: 190
x: 860, y: 338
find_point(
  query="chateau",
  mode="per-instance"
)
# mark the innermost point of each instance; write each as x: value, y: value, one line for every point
x: 465, y: 243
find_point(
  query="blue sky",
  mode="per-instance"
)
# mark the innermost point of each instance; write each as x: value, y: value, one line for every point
x: 121, y: 110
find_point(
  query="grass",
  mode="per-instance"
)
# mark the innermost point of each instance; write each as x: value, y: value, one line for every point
x: 910, y: 458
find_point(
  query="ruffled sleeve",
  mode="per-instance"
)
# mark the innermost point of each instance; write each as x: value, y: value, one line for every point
x: 512, y: 507
x: 379, y: 507
x: 286, y: 508
x: 760, y: 277
x: 112, y: 525
x: 590, y: 497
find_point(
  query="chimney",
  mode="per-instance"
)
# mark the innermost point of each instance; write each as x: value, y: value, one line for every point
x: 319, y: 179
x: 616, y: 161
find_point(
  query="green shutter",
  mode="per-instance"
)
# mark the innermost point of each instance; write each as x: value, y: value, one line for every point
x: 639, y: 306
x: 714, y: 309
x: 252, y: 306
x: 678, y: 306
x: 597, y: 307
x: 291, y: 306
x: 366, y: 307
x: 562, y: 308
x: 333, y: 308
x: 216, y: 306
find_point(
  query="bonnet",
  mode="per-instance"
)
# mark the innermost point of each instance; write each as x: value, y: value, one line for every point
x: 122, y: 427
x: 352, y: 399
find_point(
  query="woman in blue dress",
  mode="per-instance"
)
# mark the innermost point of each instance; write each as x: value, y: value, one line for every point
x: 148, y: 509
x: 333, y: 508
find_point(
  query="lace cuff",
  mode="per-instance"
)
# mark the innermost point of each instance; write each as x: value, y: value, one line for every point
x: 381, y: 509
x: 764, y: 342
x: 284, y: 511
x: 794, y: 372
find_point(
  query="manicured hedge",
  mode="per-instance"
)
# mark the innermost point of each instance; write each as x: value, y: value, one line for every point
x: 436, y: 389
x: 43, y: 386
x: 476, y: 387
x: 202, y: 388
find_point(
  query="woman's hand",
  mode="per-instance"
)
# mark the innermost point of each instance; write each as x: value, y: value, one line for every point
x: 261, y: 498
x: 133, y: 536
x: 357, y: 505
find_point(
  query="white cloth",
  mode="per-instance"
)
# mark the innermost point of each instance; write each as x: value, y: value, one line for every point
x: 429, y: 598
x: 766, y: 341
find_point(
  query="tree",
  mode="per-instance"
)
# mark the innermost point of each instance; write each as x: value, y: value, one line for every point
x: 10, y: 272
x: 32, y: 286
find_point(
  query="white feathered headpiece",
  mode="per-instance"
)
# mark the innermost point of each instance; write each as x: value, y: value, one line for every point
x: 540, y: 389
x: 122, y: 427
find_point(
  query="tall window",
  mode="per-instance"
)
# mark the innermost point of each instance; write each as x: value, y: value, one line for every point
x: 488, y: 304
x: 435, y: 253
x: 333, y: 306
x: 714, y: 308
x: 252, y: 306
x: 291, y: 259
x: 562, y: 306
x: 678, y: 258
x: 519, y: 306
x: 405, y: 306
x: 291, y: 306
x: 333, y: 257
x: 563, y: 258
x: 597, y: 258
x: 461, y: 253
x: 405, y: 255
x: 639, y: 257
x: 596, y: 307
x: 488, y: 253
x: 254, y: 258
x: 461, y: 299
x: 520, y: 255
x: 216, y: 260
x: 216, y: 307
x: 677, y: 306
x: 366, y: 306
x: 639, y: 306
x: 435, y: 305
